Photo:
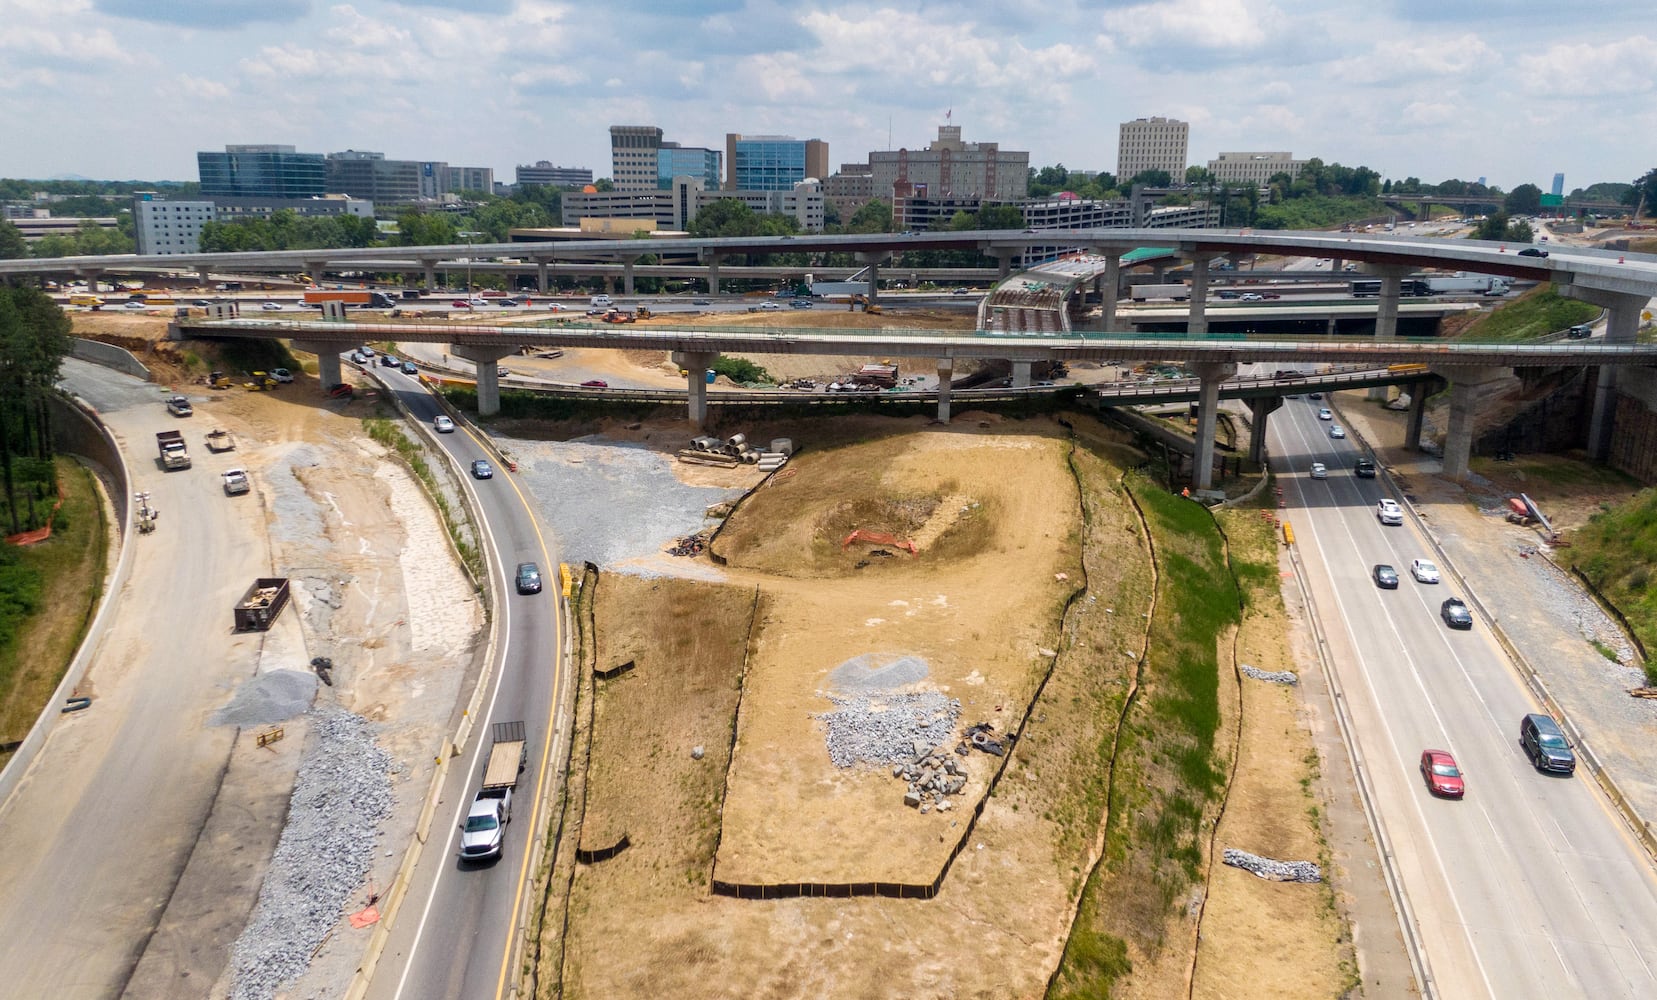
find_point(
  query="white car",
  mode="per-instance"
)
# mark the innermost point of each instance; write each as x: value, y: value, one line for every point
x: 271, y: 307
x: 135, y: 305
x: 769, y: 306
x: 1319, y: 471
x: 1424, y: 571
x: 1324, y: 413
x: 1388, y: 512
x: 1337, y: 431
x: 1252, y: 297
x: 235, y: 482
x: 443, y: 425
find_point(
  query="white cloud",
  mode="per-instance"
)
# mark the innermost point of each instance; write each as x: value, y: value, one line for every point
x: 1207, y: 24
x: 1617, y: 69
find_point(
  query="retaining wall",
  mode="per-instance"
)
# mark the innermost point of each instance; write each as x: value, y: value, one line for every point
x: 110, y: 356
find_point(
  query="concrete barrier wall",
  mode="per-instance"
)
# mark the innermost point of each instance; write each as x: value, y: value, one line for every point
x: 110, y: 356
x: 77, y: 430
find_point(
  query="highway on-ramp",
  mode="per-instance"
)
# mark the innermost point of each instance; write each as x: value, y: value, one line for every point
x: 455, y: 930
x: 1532, y: 886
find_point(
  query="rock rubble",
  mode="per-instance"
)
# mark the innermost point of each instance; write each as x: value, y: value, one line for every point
x: 1274, y: 676
x: 1275, y: 871
x: 876, y: 727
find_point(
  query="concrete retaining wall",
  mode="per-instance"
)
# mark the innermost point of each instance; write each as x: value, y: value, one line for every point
x: 110, y: 356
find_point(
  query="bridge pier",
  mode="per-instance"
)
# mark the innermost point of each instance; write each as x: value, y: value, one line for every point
x: 627, y: 275
x: 204, y: 278
x: 946, y: 378
x: 489, y: 383
x: 328, y: 370
x: 1021, y: 374
x: 1417, y: 417
x: 713, y: 273
x: 90, y: 275
x: 430, y: 267
x: 1197, y: 320
x: 696, y: 363
x: 872, y: 261
x: 1211, y: 374
x: 1622, y: 324
x: 1260, y: 410
x: 1111, y: 292
x: 1467, y: 385
x: 315, y: 269
x: 1003, y: 260
x: 1386, y: 315
x: 541, y: 282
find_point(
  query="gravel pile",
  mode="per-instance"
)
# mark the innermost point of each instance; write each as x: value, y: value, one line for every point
x: 877, y: 672
x: 273, y: 696
x: 885, y: 728
x: 1273, y: 676
x: 1275, y: 871
x: 327, y: 847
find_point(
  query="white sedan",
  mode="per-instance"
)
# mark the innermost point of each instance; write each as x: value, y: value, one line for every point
x: 1424, y: 571
x: 272, y: 307
x: 1319, y: 471
x: 1337, y: 431
x: 1324, y: 413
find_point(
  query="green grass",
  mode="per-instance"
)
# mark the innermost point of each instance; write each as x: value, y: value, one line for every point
x: 1536, y: 313
x: 1616, y: 550
x: 391, y: 436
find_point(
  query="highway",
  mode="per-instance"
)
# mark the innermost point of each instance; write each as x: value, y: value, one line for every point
x: 453, y: 934
x: 1532, y: 885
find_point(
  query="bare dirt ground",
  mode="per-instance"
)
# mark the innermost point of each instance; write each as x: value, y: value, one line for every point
x: 375, y: 589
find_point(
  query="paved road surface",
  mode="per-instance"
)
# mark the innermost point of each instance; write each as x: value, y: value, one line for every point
x: 1529, y: 887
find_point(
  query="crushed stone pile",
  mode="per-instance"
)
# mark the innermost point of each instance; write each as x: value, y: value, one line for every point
x: 1274, y: 676
x: 881, y: 727
x: 877, y: 672
x: 930, y: 779
x: 273, y: 696
x: 342, y: 795
x: 1275, y: 871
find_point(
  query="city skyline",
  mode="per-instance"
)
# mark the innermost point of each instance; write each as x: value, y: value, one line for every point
x: 1407, y: 88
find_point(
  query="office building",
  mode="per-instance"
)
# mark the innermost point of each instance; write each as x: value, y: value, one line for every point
x: 1558, y: 185
x: 772, y: 162
x: 230, y: 209
x: 262, y: 172
x: 469, y: 179
x: 674, y: 160
x: 950, y: 168
x: 162, y: 226
x: 1151, y: 144
x: 849, y: 189
x: 633, y: 157
x: 372, y: 177
x: 544, y: 174
x: 1253, y: 168
x: 677, y: 207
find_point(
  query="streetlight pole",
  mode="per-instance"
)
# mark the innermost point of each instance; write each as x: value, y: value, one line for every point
x: 468, y: 234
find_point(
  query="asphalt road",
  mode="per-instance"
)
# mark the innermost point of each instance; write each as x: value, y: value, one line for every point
x: 1531, y: 886
x: 97, y: 833
x: 454, y: 930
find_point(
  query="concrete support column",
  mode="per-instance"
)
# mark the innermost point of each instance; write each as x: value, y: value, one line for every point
x: 1259, y: 411
x: 1159, y: 273
x: 90, y: 275
x: 1467, y: 386
x: 1621, y: 327
x: 430, y: 267
x: 327, y: 361
x: 489, y: 384
x: 696, y: 363
x: 1335, y: 265
x: 541, y: 279
x: 1417, y: 416
x: 1021, y: 374
x: 315, y: 268
x: 1386, y: 316
x: 713, y: 274
x: 946, y: 378
x: 627, y: 275
x: 1197, y: 323
x: 873, y: 261
x: 1003, y: 260
x: 1111, y: 292
x: 1211, y: 375
x: 204, y: 277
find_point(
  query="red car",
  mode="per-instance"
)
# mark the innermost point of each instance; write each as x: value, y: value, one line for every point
x: 460, y: 304
x: 1442, y: 775
x: 595, y: 383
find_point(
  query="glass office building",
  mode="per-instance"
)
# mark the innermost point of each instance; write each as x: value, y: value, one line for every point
x: 673, y: 160
x: 261, y: 172
x: 773, y: 162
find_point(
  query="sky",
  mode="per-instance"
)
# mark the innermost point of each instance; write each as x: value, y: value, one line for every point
x: 1510, y: 90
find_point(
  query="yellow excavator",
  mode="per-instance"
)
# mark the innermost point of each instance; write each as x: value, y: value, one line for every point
x: 861, y: 300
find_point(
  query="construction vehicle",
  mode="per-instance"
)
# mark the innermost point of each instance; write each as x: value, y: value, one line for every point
x: 258, y: 608
x: 174, y: 454
x: 860, y: 300
x: 218, y: 380
x: 642, y: 312
x: 219, y: 439
x: 364, y: 299
x: 260, y: 382
x: 484, y: 831
x: 617, y: 316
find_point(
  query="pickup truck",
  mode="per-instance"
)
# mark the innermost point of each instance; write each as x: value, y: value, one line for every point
x: 236, y: 482
x: 178, y: 406
x: 482, y: 834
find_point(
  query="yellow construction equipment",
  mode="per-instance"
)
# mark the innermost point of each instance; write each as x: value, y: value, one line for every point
x: 218, y: 380
x: 643, y: 312
x: 861, y: 300
x: 260, y: 382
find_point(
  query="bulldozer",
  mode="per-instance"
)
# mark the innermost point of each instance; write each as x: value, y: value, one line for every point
x: 643, y: 312
x: 617, y: 316
x: 218, y: 380
x: 861, y: 300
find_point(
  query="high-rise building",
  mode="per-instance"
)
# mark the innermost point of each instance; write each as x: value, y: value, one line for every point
x: 674, y: 160
x: 469, y: 179
x: 772, y: 162
x: 1252, y: 168
x: 1559, y: 185
x: 949, y: 168
x: 370, y: 176
x: 633, y: 157
x: 1151, y: 144
x: 263, y: 171
x: 163, y: 226
x: 543, y: 173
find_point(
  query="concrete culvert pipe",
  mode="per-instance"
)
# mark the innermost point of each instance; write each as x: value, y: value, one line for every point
x: 737, y: 441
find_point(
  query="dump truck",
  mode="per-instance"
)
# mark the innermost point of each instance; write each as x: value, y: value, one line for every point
x: 482, y: 834
x: 258, y: 608
x: 174, y: 454
x: 235, y: 482
x: 219, y: 439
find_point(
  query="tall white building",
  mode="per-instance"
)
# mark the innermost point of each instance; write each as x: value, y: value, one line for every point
x: 162, y: 226
x: 1253, y: 168
x: 1151, y: 144
x: 633, y: 150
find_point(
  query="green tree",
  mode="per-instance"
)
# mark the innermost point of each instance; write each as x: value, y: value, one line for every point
x: 1000, y: 217
x: 873, y: 217
x: 12, y: 244
x: 34, y: 338
x: 1151, y: 178
x: 417, y: 228
x: 1643, y: 195
x: 1526, y: 199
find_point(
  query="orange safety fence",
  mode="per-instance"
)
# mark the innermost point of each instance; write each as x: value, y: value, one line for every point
x: 879, y: 538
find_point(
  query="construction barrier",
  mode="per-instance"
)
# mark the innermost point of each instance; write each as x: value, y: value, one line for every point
x: 1288, y: 534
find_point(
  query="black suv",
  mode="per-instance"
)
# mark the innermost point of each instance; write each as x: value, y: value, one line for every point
x: 1545, y: 744
x: 1365, y: 469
